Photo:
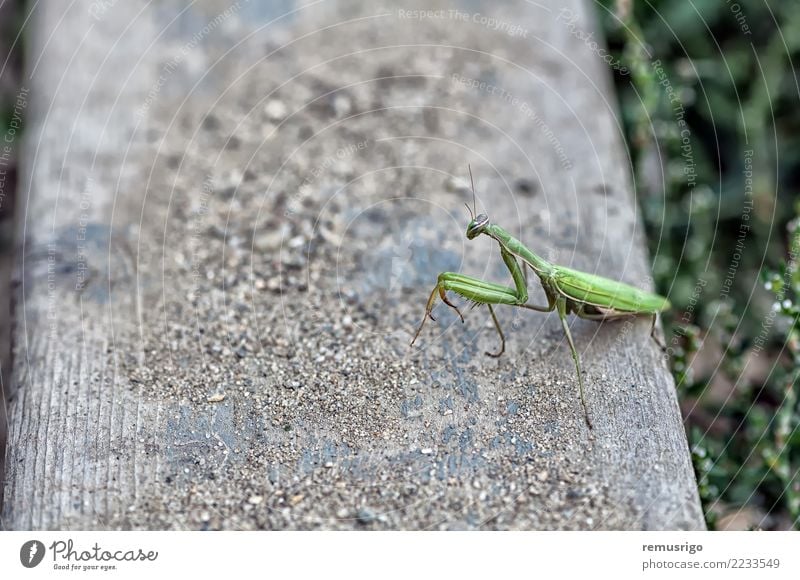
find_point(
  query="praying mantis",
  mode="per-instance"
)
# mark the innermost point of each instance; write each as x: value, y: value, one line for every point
x: 568, y: 291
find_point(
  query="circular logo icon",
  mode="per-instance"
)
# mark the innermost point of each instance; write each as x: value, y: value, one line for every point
x: 31, y: 553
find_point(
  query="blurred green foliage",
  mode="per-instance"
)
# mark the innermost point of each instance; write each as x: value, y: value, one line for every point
x: 12, y: 14
x: 710, y: 111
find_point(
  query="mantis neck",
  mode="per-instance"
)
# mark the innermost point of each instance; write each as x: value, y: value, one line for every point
x: 541, y: 266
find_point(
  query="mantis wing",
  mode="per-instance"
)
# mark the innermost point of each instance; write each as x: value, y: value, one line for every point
x: 606, y: 293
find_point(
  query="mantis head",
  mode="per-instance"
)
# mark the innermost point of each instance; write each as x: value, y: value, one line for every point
x: 477, y: 225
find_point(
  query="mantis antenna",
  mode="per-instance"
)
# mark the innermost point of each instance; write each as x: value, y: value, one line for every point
x: 472, y: 183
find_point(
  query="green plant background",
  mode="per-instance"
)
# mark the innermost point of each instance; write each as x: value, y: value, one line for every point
x: 718, y: 196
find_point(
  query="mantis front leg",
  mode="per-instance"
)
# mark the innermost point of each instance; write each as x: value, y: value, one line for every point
x: 483, y: 292
x: 474, y: 289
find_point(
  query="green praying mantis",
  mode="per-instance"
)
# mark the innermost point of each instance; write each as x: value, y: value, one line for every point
x: 568, y: 291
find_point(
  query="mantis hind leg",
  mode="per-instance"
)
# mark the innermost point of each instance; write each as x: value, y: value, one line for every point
x: 580, y: 310
x: 561, y: 305
x: 655, y: 336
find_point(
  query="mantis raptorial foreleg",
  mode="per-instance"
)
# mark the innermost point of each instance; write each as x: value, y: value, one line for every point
x: 483, y: 292
x: 470, y: 288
